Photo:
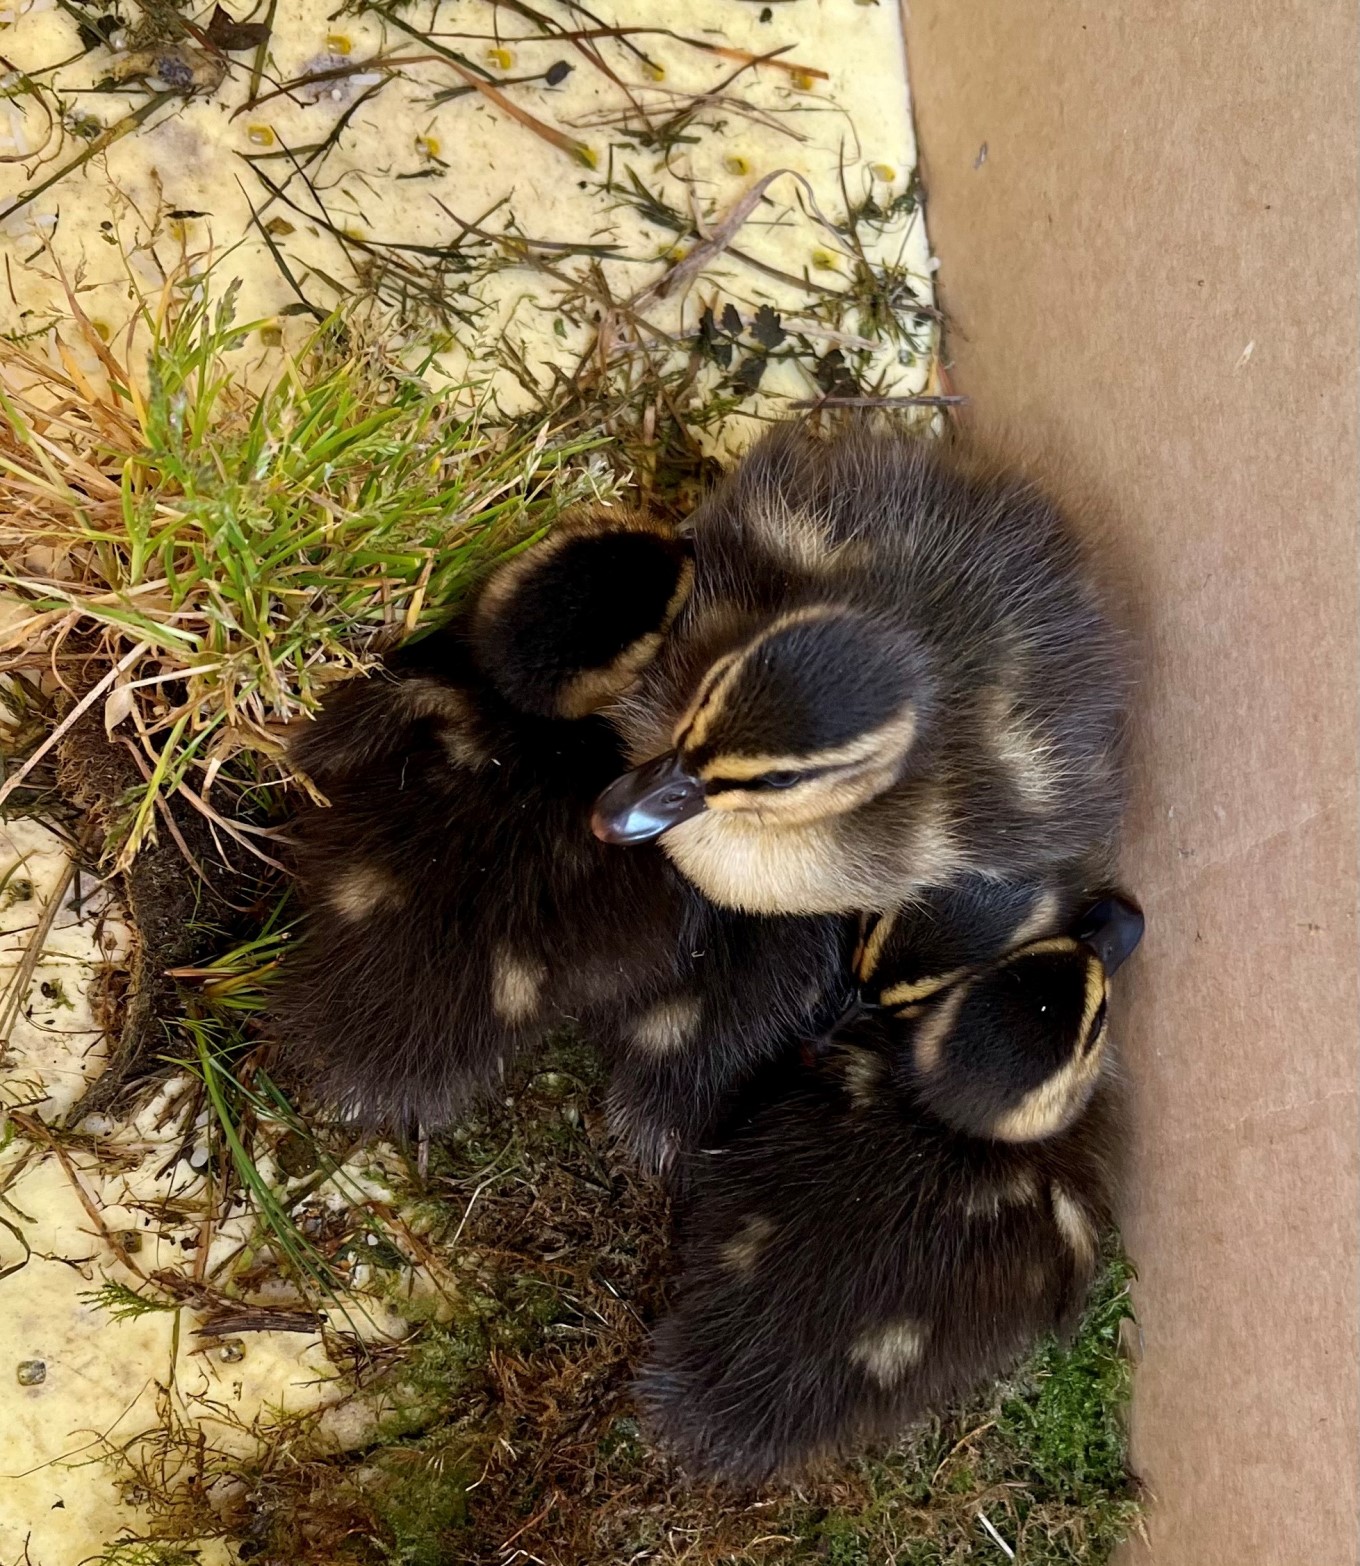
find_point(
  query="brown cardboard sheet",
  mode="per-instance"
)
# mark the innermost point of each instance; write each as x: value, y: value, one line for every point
x: 1147, y: 217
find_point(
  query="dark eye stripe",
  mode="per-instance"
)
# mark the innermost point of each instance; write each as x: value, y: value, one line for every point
x: 757, y: 786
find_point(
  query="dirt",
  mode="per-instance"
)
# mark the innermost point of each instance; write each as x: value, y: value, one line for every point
x: 180, y: 917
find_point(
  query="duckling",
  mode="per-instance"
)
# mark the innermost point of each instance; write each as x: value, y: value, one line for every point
x: 898, y: 1216
x: 894, y: 670
x: 457, y: 905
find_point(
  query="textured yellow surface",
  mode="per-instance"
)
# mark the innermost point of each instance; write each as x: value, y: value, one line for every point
x: 513, y: 256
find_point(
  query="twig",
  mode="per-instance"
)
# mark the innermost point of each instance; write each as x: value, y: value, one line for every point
x: 34, y: 1128
x: 713, y: 244
x: 101, y: 143
x: 1001, y: 1544
x: 18, y: 985
x: 555, y: 138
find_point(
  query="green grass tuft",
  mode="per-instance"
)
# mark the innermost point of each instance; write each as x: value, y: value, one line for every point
x: 233, y: 550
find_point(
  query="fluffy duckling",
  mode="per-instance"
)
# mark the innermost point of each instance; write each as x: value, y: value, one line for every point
x: 894, y: 671
x: 885, y: 1225
x: 457, y: 904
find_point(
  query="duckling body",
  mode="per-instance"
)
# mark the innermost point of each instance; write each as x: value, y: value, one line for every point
x: 894, y: 671
x: 458, y: 905
x: 887, y: 1222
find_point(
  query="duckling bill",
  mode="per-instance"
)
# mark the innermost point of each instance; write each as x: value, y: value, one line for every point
x: 885, y: 1225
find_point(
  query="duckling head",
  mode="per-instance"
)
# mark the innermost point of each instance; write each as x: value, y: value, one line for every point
x: 567, y: 626
x: 1013, y: 1052
x: 805, y: 723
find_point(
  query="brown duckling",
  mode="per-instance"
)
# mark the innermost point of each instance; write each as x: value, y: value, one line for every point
x: 457, y: 906
x: 888, y: 1223
x: 894, y: 670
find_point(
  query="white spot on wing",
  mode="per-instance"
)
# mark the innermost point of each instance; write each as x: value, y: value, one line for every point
x: 742, y: 1251
x: 362, y: 890
x: 669, y: 1025
x: 1074, y: 1224
x: 515, y: 986
x: 890, y: 1353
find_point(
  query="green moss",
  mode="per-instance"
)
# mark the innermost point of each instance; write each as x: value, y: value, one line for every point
x: 419, y: 1496
x: 1069, y: 1420
x: 1044, y: 1457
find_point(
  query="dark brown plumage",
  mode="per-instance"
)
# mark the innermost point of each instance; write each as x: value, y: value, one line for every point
x: 891, y: 674
x: 457, y: 906
x: 886, y: 1223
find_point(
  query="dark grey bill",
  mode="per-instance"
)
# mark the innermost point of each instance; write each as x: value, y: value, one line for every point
x: 1112, y: 929
x: 644, y: 803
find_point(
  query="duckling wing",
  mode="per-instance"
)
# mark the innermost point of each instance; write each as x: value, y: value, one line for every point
x: 740, y: 987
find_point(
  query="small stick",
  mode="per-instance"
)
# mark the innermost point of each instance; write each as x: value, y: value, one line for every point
x: 556, y: 138
x: 879, y: 402
x: 36, y: 1130
x: 23, y: 974
x: 791, y: 66
x: 101, y: 143
x: 986, y: 1522
x: 711, y: 245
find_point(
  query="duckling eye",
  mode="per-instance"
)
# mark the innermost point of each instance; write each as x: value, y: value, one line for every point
x: 776, y: 780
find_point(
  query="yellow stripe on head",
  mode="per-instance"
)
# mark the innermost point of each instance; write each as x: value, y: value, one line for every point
x: 699, y: 717
x: 920, y: 989
x: 871, y: 947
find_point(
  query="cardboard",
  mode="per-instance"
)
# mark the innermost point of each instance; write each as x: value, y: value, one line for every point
x: 1147, y: 219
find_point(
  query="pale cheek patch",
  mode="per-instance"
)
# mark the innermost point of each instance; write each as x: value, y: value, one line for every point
x: 516, y: 983
x: 364, y: 890
x: 1075, y: 1226
x: 743, y: 1251
x: 889, y: 1354
x: 862, y: 1072
x: 1052, y: 1105
x: 740, y: 864
x: 669, y: 1025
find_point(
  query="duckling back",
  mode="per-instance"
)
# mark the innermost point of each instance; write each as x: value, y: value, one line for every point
x: 853, y: 1256
x: 456, y: 903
